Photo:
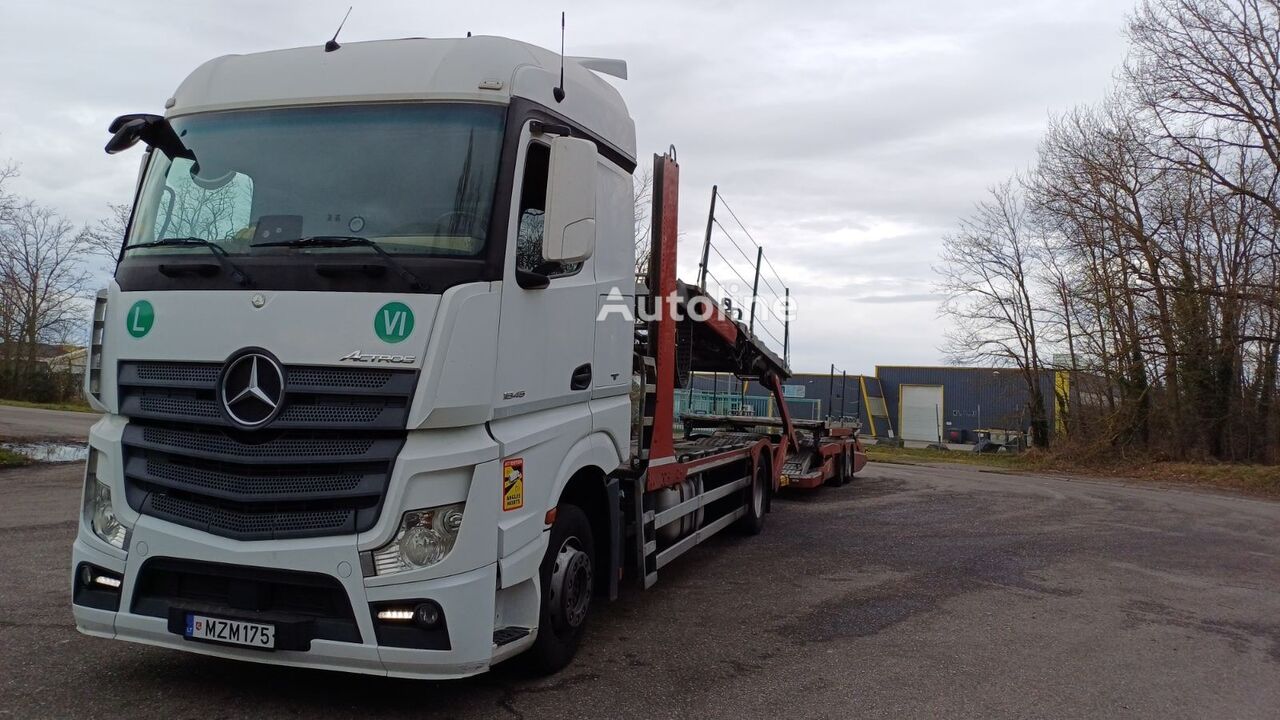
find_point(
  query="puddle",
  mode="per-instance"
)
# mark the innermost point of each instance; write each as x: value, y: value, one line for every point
x: 50, y: 452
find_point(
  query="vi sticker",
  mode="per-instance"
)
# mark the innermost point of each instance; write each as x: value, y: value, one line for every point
x: 393, y: 322
x: 140, y: 318
x: 512, y: 484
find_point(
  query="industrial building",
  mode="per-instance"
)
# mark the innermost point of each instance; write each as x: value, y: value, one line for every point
x: 920, y: 403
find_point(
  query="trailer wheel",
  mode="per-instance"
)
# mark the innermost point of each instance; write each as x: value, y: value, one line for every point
x: 843, y: 470
x: 568, y: 581
x: 837, y: 472
x: 757, y: 502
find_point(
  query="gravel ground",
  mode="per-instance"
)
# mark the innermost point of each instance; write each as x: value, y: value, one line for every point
x: 914, y: 592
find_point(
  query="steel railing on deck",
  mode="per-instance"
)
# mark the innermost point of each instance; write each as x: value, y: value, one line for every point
x: 734, y: 270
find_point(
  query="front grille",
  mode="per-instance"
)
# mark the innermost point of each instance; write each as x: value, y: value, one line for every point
x: 315, y: 397
x: 168, y: 585
x: 319, y: 468
x: 202, y: 442
x: 177, y: 373
x: 310, y: 479
x: 341, y: 377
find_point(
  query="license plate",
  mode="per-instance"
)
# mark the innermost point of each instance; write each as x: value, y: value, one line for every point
x: 232, y: 632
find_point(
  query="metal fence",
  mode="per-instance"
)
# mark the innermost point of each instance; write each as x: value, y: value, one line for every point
x: 701, y: 402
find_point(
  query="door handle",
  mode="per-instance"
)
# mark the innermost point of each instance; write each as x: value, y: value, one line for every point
x: 581, y: 378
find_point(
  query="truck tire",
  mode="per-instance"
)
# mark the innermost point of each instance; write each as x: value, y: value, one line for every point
x: 757, y: 502
x: 837, y: 472
x: 843, y: 470
x: 568, y: 579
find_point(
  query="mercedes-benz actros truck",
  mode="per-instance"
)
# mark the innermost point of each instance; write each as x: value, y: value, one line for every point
x: 376, y: 395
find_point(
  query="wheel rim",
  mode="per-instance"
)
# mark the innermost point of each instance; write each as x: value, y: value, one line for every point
x: 571, y: 584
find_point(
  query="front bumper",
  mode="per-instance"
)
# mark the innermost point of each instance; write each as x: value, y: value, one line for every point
x: 466, y: 599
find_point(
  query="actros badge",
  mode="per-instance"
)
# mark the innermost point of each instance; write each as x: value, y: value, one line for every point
x: 363, y: 357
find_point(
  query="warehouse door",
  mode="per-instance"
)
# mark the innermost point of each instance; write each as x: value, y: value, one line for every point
x: 920, y: 412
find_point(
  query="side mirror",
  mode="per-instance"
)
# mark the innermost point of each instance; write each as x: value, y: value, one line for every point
x: 125, y: 135
x: 569, y: 231
x: 153, y: 130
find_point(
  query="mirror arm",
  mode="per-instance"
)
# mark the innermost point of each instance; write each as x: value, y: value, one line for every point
x: 537, y: 127
x: 531, y: 280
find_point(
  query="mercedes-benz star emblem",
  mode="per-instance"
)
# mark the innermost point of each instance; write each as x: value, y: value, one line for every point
x: 252, y: 389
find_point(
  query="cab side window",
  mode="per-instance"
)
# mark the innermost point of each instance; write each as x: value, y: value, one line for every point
x: 533, y: 207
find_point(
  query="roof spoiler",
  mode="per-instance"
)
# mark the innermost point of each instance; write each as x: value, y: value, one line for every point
x: 608, y: 66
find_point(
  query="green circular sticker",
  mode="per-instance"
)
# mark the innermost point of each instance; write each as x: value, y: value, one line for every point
x: 393, y: 322
x: 140, y: 318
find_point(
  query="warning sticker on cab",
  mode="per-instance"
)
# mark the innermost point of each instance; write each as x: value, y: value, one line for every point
x: 512, y: 484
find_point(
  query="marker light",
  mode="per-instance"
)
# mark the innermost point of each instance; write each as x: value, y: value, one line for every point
x: 91, y: 576
x: 110, y: 582
x: 396, y: 614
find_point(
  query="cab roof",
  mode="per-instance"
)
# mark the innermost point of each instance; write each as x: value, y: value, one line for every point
x: 484, y: 69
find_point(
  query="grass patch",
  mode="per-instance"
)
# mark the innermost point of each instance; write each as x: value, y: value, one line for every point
x: 70, y: 407
x: 890, y: 454
x: 1252, y: 479
x: 9, y: 458
x: 1261, y: 480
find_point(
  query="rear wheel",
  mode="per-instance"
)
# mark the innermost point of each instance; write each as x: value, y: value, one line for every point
x: 841, y: 469
x: 568, y: 579
x: 757, y: 501
x: 837, y: 472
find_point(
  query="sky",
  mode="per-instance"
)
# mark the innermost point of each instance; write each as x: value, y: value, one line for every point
x: 848, y: 137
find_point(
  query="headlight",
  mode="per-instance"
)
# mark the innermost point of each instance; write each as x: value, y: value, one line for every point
x: 425, y: 538
x: 97, y: 504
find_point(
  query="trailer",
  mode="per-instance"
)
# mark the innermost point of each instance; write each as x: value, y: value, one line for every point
x: 828, y: 452
x: 726, y: 469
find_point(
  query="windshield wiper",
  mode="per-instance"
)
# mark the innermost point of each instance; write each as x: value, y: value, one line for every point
x: 232, y: 269
x: 333, y: 241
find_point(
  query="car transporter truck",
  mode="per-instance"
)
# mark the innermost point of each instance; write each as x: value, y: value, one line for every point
x: 369, y: 401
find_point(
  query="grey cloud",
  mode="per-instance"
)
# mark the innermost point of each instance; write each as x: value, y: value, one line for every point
x: 902, y: 298
x: 848, y: 136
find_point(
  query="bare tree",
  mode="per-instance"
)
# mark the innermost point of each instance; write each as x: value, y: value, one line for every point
x: 105, y: 237
x: 1208, y: 71
x: 643, y: 205
x: 1148, y: 243
x: 42, y: 286
x: 987, y: 275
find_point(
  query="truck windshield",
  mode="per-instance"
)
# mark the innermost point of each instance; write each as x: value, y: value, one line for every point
x: 415, y: 179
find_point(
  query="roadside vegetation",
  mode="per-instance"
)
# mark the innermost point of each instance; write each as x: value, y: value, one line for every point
x: 46, y: 278
x: 1254, y: 479
x: 1140, y: 256
x: 9, y: 458
x: 70, y: 406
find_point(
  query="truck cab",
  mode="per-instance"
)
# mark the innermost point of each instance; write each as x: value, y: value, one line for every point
x: 362, y: 404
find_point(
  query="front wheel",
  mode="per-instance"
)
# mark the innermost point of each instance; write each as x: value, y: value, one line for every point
x: 568, y: 580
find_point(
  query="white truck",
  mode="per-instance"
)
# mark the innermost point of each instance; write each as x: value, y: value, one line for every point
x: 364, y: 409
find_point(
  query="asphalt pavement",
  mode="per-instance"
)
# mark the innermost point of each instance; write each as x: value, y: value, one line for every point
x: 25, y: 424
x: 914, y: 592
